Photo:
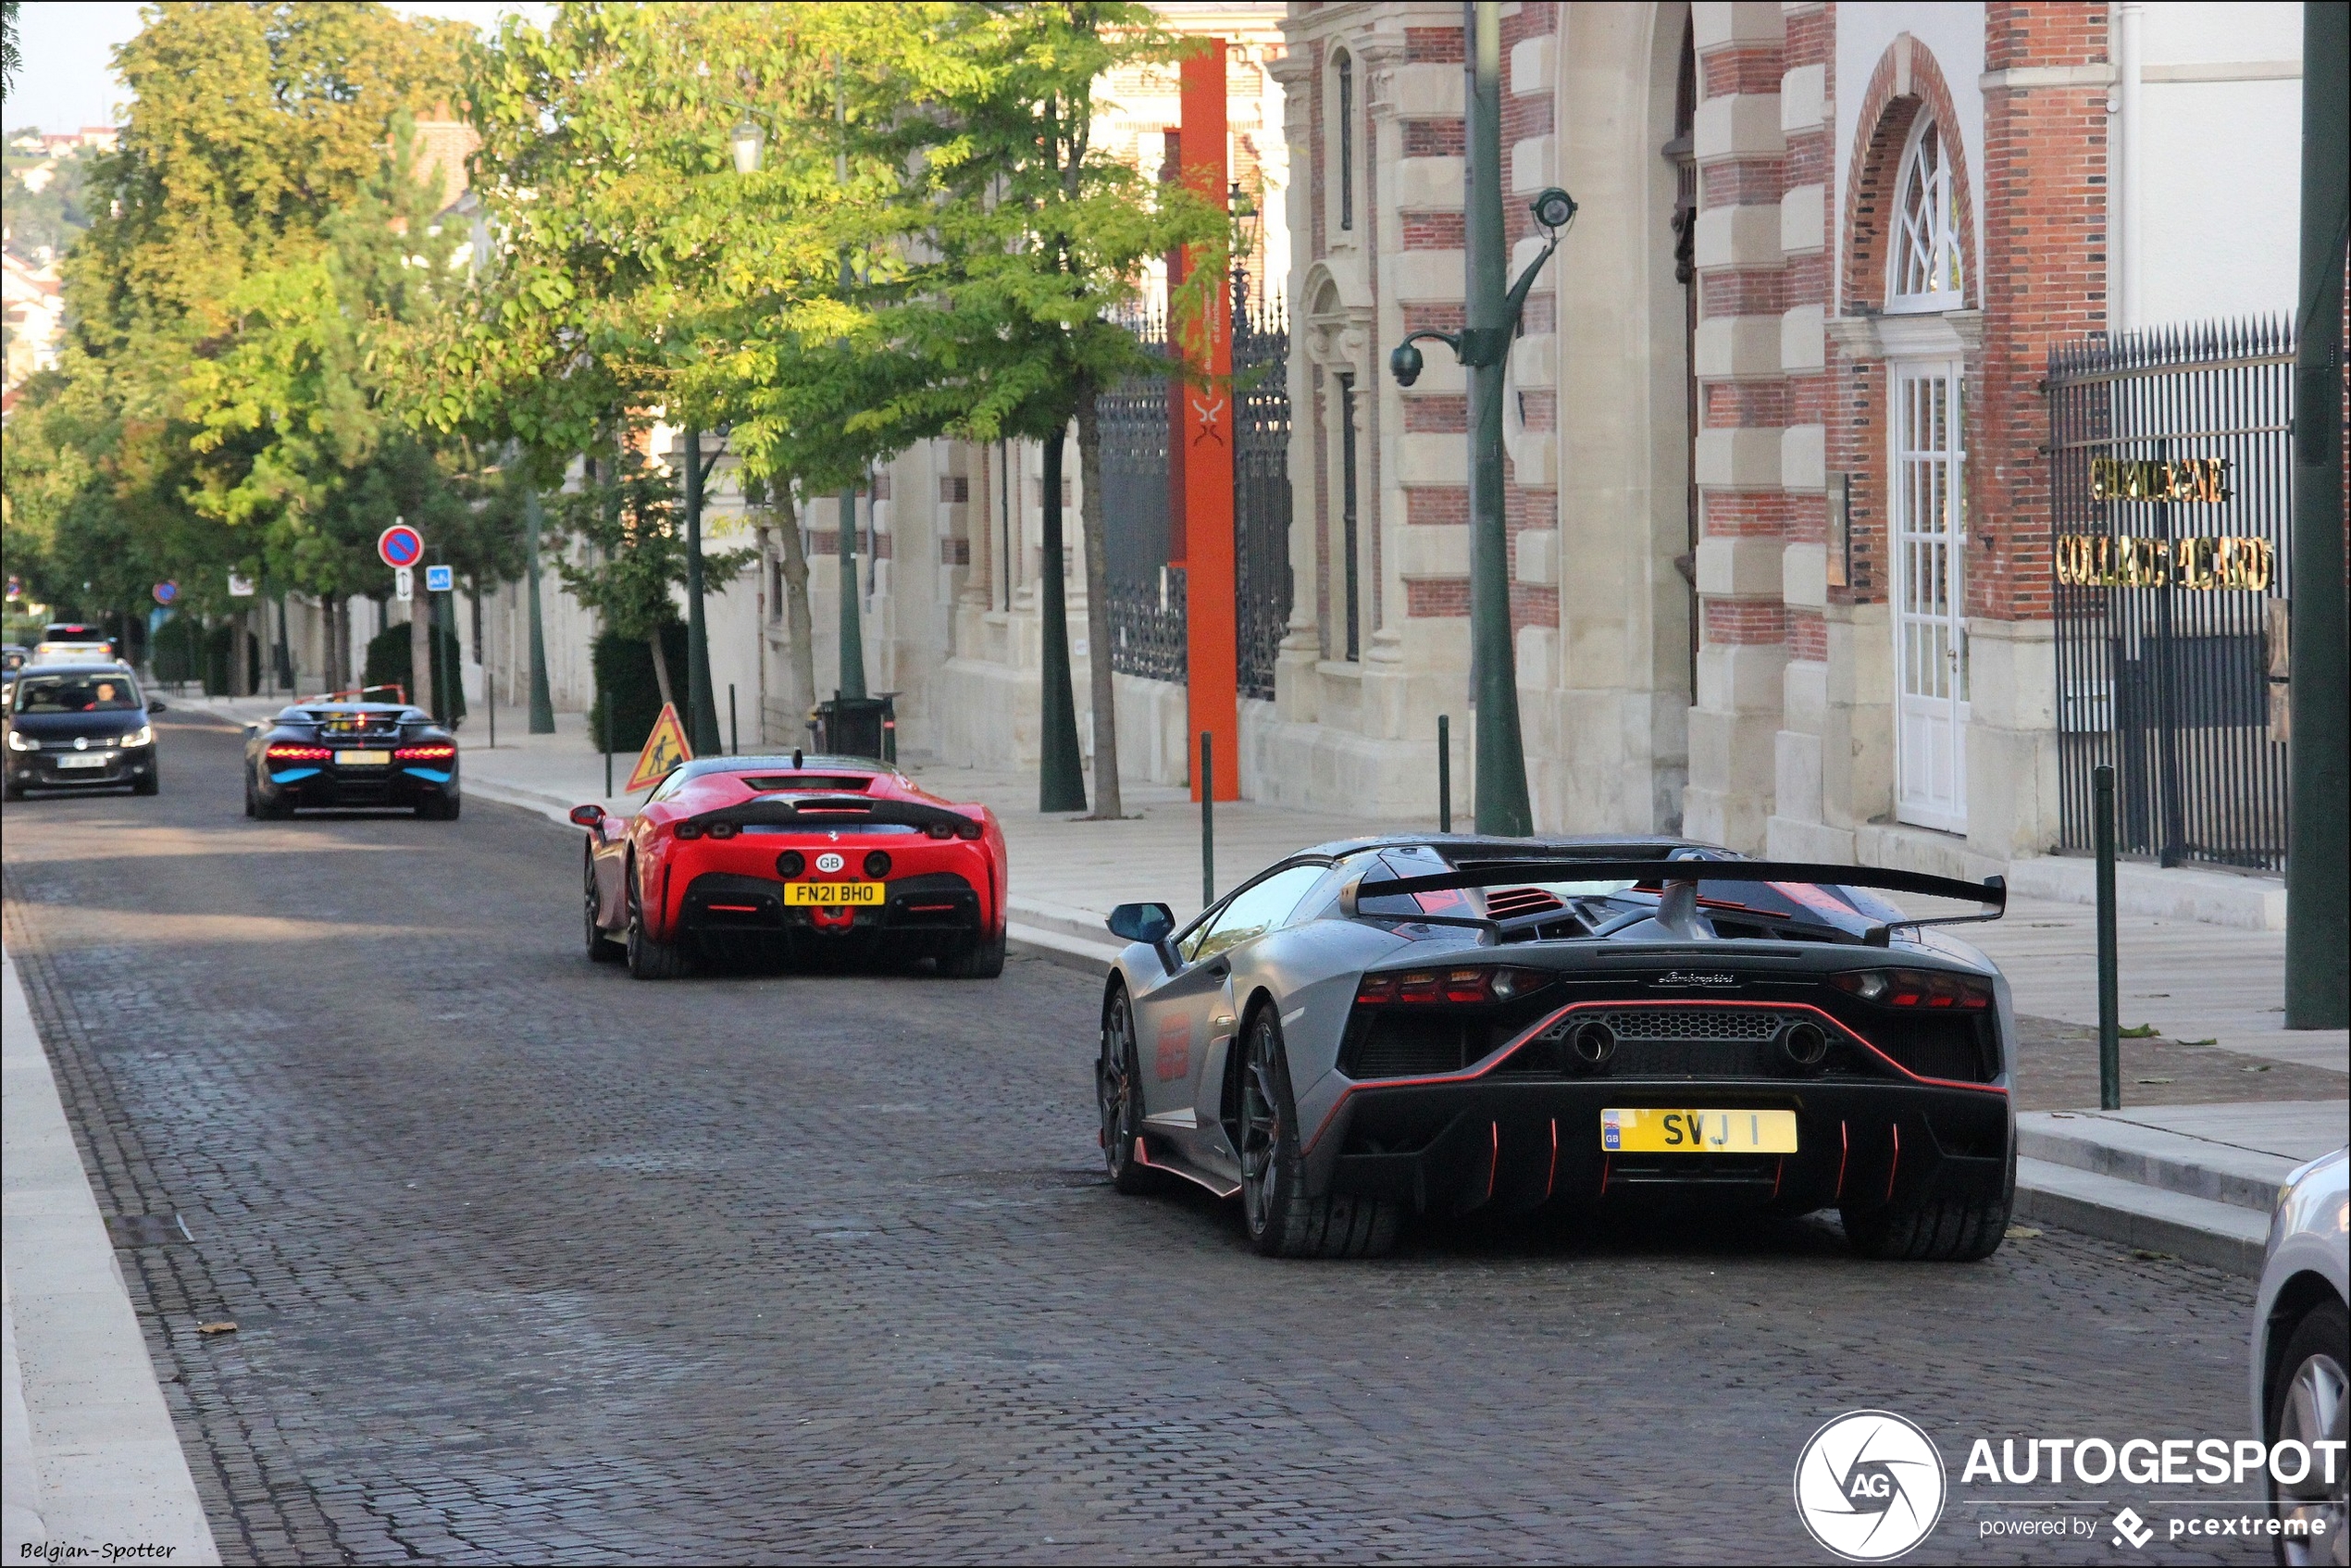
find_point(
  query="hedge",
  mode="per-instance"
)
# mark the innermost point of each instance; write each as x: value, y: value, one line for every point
x: 389, y: 661
x: 623, y: 669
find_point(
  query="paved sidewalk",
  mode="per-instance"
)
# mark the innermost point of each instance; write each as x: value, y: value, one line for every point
x: 92, y: 1458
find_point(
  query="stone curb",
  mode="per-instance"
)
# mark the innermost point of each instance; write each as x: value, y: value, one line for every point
x: 96, y: 1442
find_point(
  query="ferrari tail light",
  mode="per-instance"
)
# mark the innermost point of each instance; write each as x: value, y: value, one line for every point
x: 288, y: 752
x: 687, y: 830
x: 424, y: 753
x: 1468, y: 986
x: 940, y: 831
x: 1916, y: 987
x: 967, y: 829
x: 723, y: 829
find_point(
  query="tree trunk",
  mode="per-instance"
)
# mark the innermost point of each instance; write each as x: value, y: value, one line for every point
x: 420, y: 645
x: 800, y: 625
x: 1095, y: 529
x: 661, y: 666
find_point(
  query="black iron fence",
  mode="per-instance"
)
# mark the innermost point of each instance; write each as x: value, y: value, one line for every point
x: 1147, y: 595
x: 1261, y: 487
x: 2170, y: 479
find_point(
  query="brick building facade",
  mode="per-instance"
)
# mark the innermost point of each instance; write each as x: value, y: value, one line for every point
x: 1792, y: 399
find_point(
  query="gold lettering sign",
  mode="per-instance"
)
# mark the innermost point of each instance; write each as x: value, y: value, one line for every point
x: 2183, y: 479
x: 2086, y: 560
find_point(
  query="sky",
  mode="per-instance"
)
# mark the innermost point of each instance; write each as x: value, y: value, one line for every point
x: 67, y: 81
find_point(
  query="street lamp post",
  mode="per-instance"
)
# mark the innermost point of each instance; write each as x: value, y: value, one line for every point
x: 542, y: 701
x: 1484, y: 345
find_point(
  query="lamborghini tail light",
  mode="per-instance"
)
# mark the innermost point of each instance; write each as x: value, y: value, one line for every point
x: 1916, y: 987
x: 288, y: 751
x: 1467, y: 986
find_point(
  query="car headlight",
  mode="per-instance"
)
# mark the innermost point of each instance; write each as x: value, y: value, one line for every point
x: 20, y: 742
x: 143, y: 736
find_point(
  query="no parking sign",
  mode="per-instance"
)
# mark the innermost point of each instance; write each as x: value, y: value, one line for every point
x: 400, y: 545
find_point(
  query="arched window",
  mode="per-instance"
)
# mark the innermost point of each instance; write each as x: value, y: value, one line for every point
x: 1346, y: 67
x: 1926, y: 271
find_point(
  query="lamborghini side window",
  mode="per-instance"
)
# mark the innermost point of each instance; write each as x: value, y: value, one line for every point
x: 1255, y: 910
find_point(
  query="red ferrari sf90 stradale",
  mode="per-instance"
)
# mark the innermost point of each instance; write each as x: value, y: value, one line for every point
x: 794, y: 857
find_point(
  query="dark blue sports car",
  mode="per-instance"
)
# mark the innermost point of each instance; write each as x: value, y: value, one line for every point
x: 333, y: 754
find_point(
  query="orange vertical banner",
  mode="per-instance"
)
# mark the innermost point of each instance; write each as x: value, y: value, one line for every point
x: 1205, y: 336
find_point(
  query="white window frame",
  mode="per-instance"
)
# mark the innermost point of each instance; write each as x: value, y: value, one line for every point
x: 1926, y: 241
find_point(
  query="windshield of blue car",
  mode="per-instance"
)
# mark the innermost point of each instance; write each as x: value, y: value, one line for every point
x: 75, y: 694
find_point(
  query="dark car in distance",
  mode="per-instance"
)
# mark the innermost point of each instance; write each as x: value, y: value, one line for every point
x: 80, y: 727
x: 345, y: 754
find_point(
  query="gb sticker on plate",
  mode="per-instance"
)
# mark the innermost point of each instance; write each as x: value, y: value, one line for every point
x: 1611, y: 1130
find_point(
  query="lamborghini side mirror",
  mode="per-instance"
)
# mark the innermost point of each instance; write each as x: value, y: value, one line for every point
x: 1149, y: 922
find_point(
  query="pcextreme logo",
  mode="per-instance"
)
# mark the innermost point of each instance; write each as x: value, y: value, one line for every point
x: 1870, y: 1485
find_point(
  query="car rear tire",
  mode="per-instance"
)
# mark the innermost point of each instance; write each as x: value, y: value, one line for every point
x: 1117, y: 1090
x: 1935, y: 1231
x: 278, y: 810
x: 982, y: 959
x: 439, y: 808
x: 650, y: 960
x: 250, y: 810
x: 602, y: 949
x: 1283, y: 1222
x: 2304, y: 1402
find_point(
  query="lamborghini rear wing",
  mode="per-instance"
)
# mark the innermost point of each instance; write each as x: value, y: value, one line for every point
x: 1991, y: 894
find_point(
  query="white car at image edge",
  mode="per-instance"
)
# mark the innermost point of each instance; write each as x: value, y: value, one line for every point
x: 2299, y: 1349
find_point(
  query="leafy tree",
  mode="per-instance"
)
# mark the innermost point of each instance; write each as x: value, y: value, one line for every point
x: 252, y: 127
x: 1037, y: 244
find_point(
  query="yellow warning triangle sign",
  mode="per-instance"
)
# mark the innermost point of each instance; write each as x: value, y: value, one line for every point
x: 665, y: 749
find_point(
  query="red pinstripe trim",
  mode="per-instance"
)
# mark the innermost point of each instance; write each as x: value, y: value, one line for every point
x: 1896, y: 1168
x: 1470, y: 1075
x: 1494, y: 1159
x: 1779, y: 1173
x: 1606, y: 1160
x: 1844, y: 1152
x: 1552, y: 1180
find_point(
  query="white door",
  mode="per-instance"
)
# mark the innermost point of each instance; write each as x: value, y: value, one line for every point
x: 1929, y: 600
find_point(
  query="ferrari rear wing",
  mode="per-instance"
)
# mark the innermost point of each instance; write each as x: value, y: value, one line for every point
x: 1991, y: 894
x: 816, y: 813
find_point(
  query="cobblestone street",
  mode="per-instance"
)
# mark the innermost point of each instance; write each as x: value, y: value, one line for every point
x: 529, y: 1260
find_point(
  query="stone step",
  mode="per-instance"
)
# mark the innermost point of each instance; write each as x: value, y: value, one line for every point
x: 2193, y: 1167
x: 2201, y: 1230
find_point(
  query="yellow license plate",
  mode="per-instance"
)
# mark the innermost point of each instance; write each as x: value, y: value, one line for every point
x: 363, y: 759
x: 1697, y: 1132
x: 835, y: 893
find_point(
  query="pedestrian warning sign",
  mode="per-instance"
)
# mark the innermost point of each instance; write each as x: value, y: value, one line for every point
x: 665, y: 749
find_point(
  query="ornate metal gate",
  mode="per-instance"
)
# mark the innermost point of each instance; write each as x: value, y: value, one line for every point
x: 1260, y: 486
x: 1147, y: 596
x: 2170, y: 479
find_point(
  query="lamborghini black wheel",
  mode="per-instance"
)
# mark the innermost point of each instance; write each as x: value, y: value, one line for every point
x: 1283, y: 1222
x: 1118, y: 1091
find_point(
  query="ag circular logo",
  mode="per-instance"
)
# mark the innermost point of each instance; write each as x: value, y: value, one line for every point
x: 830, y: 861
x: 1869, y: 1485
